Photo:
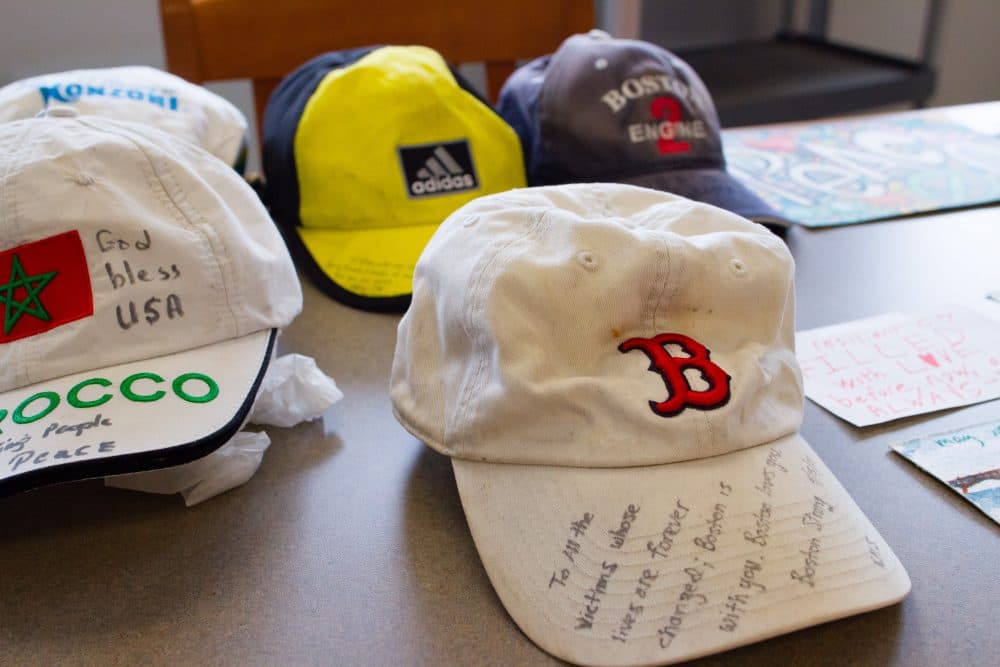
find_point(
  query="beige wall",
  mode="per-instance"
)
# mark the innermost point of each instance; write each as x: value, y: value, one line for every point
x: 968, y: 49
x: 39, y: 36
x: 968, y: 55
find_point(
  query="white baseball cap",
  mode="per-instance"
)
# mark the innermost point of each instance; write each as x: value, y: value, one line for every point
x: 612, y: 371
x: 138, y: 94
x: 141, y: 286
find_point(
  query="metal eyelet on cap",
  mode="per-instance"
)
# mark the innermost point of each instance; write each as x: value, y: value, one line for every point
x: 586, y: 259
x: 471, y: 220
x: 737, y: 266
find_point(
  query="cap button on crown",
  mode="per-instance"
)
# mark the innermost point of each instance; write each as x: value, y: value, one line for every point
x: 587, y: 260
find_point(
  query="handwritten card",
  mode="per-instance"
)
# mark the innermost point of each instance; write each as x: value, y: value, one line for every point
x: 967, y: 460
x: 893, y: 366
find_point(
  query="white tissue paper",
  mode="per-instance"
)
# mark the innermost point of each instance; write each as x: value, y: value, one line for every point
x: 225, y: 468
x: 292, y: 391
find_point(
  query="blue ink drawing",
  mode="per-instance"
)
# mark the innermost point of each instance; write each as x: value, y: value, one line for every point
x: 967, y: 460
x: 988, y: 500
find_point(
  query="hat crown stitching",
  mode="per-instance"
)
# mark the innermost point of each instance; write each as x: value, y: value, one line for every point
x: 162, y: 181
x: 510, y: 373
x: 48, y: 144
x: 475, y: 324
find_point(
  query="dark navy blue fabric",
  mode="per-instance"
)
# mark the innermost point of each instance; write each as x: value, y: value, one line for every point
x: 712, y: 186
x: 619, y: 110
x: 517, y: 104
x: 281, y: 121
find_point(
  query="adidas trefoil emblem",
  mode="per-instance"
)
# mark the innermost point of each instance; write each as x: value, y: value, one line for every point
x: 438, y: 169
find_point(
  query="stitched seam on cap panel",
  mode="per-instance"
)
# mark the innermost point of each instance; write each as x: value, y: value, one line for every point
x: 199, y: 229
x: 26, y: 360
x: 17, y: 158
x: 6, y: 220
x: 665, y: 248
x: 648, y: 314
x: 197, y: 220
x: 475, y: 323
x: 706, y: 415
x: 497, y: 262
x: 711, y: 431
x: 600, y: 203
x: 471, y: 326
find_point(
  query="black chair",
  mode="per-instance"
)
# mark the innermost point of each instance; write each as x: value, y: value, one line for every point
x: 803, y: 75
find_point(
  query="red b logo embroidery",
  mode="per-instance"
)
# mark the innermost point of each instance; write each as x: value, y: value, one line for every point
x: 671, y: 369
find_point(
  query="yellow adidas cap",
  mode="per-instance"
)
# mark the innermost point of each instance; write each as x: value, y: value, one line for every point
x: 366, y: 152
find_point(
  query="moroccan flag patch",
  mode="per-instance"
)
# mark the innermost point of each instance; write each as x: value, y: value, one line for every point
x: 43, y: 284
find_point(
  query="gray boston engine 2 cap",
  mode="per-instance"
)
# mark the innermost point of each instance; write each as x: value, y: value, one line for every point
x: 625, y: 111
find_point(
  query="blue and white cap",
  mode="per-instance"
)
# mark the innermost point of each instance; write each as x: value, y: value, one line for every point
x: 625, y: 111
x: 138, y: 94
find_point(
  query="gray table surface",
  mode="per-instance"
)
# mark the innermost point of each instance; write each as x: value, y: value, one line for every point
x: 349, y: 546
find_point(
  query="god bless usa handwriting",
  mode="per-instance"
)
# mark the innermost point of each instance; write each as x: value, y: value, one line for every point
x: 123, y: 274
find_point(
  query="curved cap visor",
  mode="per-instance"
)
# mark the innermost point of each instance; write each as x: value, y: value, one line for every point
x: 715, y: 187
x: 130, y: 417
x: 367, y: 268
x: 660, y: 564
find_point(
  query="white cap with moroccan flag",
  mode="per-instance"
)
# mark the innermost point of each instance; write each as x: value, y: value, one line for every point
x: 141, y: 287
x: 612, y: 371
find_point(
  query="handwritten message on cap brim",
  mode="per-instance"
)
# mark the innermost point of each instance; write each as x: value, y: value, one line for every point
x: 893, y: 366
x: 967, y: 460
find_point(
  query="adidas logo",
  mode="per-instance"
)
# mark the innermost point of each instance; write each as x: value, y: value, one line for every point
x: 438, y: 169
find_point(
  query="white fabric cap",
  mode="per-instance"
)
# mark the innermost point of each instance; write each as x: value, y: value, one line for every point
x: 612, y: 371
x: 137, y: 94
x: 141, y: 284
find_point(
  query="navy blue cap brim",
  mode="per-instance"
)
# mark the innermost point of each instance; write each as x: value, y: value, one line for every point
x: 712, y: 186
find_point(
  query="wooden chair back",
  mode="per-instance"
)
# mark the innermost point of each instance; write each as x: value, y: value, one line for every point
x: 263, y: 40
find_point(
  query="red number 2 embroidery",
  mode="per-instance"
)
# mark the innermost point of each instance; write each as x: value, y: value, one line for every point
x: 668, y: 107
x: 671, y: 369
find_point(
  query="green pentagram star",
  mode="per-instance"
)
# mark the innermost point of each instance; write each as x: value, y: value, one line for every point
x: 14, y: 309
